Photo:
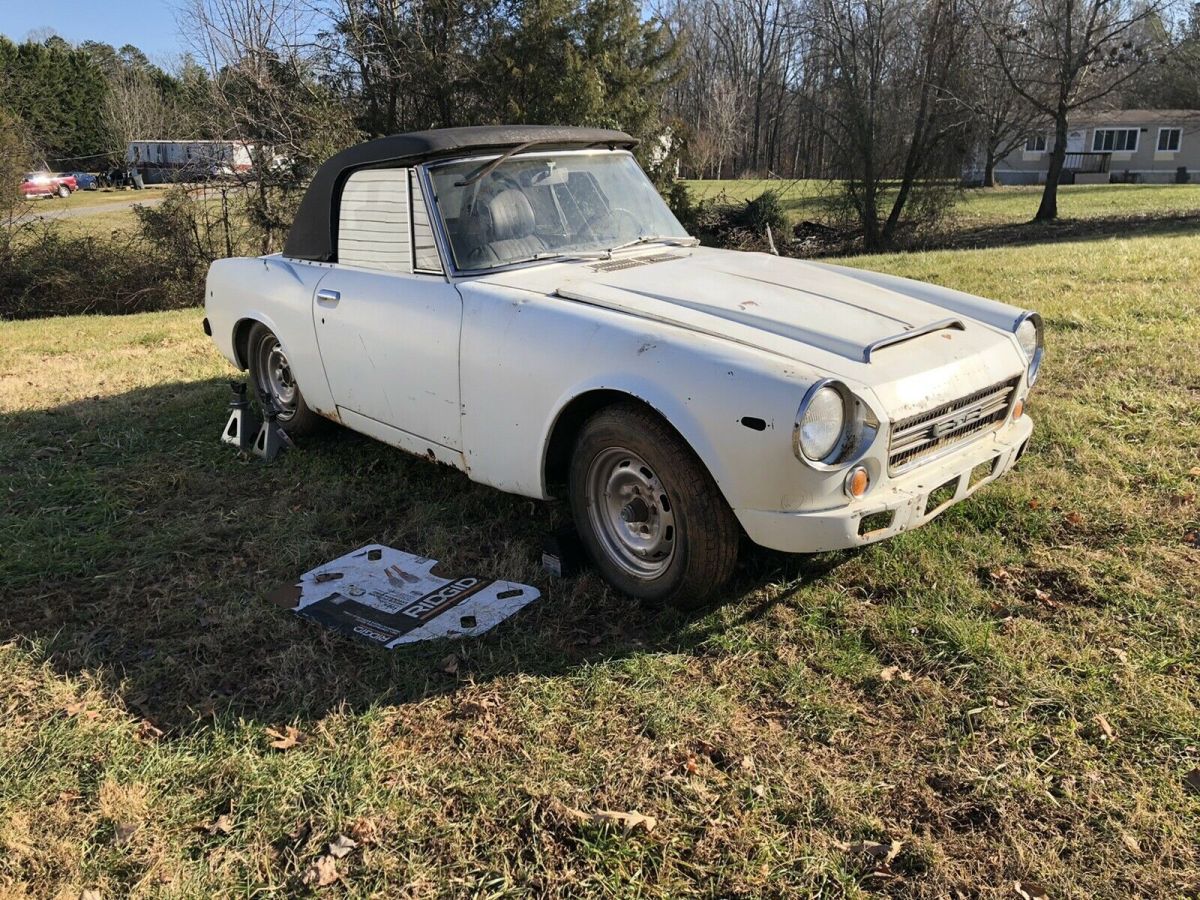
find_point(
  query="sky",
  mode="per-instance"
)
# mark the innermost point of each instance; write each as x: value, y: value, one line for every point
x: 147, y: 24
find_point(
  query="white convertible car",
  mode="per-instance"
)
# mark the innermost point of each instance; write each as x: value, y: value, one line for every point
x: 518, y: 302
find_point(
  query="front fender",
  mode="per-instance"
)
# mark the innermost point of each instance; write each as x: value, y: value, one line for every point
x: 682, y: 415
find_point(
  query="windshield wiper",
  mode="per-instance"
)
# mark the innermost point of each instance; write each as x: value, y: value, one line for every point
x: 673, y: 239
x: 556, y: 254
x: 606, y: 253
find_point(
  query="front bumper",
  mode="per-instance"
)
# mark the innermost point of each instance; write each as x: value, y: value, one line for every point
x: 899, y: 504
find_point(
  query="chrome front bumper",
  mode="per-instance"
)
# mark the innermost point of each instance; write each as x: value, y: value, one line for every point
x: 898, y: 504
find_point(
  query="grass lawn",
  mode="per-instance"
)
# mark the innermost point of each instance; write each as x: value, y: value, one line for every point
x: 976, y: 207
x: 1011, y: 694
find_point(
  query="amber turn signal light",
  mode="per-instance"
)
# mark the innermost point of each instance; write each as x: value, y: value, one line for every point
x: 857, y: 482
x: 1018, y: 409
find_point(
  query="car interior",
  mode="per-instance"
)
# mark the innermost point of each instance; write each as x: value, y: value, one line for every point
x: 529, y: 208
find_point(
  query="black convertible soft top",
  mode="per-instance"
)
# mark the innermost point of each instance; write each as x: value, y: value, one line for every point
x: 314, y: 231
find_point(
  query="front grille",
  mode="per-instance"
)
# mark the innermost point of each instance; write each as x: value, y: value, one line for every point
x: 927, y: 434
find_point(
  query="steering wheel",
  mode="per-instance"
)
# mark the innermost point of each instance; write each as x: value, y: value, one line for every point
x: 625, y: 222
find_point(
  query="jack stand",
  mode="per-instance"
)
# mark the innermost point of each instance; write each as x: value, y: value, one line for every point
x: 271, y: 439
x: 243, y: 423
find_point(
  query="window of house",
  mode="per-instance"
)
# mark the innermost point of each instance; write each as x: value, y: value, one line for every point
x: 1106, y: 140
x: 1168, y: 139
x: 1035, y: 143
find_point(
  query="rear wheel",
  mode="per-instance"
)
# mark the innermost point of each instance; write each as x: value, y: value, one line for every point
x: 271, y: 375
x: 646, y: 508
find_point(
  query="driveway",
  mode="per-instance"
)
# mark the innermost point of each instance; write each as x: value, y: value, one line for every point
x: 51, y: 209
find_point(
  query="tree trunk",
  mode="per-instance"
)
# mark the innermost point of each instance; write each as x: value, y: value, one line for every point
x: 1048, y: 209
x: 989, y: 171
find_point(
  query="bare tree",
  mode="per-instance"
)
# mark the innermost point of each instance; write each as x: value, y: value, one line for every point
x: 1063, y: 55
x: 135, y: 108
x: 894, y: 68
x: 267, y: 91
x: 1002, y: 119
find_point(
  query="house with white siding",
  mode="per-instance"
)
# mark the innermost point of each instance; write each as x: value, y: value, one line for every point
x: 1127, y: 145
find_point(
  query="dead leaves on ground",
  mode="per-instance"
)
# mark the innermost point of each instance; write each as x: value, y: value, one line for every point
x: 628, y: 821
x: 365, y: 831
x: 879, y: 857
x: 341, y: 846
x: 1030, y: 890
x: 891, y: 673
x: 223, y: 824
x: 1106, y: 729
x: 74, y: 710
x: 147, y: 731
x: 323, y: 871
x: 285, y: 740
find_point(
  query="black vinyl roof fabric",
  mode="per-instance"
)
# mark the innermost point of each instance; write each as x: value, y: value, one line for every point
x: 314, y: 231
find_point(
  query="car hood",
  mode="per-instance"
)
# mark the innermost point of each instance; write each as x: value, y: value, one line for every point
x: 773, y: 303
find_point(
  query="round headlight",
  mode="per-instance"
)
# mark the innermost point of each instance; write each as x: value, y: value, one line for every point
x: 823, y: 424
x: 1029, y: 336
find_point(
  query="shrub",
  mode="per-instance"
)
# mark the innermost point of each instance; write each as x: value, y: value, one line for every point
x: 735, y: 224
x: 44, y: 272
x: 763, y: 212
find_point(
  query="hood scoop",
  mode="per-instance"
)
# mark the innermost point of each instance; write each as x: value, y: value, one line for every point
x: 616, y: 265
x: 909, y: 334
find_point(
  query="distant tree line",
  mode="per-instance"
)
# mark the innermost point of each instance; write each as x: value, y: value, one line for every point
x: 79, y: 105
x: 894, y: 95
x: 888, y: 97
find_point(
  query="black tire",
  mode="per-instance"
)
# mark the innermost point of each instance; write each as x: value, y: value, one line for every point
x: 63, y: 191
x: 682, y: 563
x: 262, y: 350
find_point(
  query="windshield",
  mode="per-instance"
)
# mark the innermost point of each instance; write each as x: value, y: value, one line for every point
x: 548, y: 205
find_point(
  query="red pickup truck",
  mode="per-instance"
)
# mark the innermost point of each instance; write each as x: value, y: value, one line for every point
x: 44, y: 184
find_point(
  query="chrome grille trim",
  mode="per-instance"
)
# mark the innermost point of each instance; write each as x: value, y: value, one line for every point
x: 919, y: 438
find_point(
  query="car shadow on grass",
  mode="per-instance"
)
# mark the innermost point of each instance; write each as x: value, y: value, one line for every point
x: 140, y: 550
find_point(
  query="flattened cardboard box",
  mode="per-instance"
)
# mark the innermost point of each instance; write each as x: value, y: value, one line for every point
x: 384, y: 596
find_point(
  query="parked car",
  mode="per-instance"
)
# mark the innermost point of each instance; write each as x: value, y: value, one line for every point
x: 84, y: 181
x: 44, y: 184
x: 519, y: 302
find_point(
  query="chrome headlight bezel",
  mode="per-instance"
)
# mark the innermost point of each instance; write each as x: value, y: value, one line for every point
x: 1033, y: 359
x: 859, y: 428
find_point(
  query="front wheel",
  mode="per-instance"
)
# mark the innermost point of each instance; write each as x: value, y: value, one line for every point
x: 271, y: 375
x: 63, y: 191
x: 646, y: 508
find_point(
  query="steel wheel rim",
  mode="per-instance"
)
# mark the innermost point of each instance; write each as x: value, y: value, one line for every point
x: 631, y: 513
x: 275, y: 377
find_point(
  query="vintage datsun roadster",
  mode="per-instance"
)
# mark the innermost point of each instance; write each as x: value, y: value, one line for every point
x: 519, y: 302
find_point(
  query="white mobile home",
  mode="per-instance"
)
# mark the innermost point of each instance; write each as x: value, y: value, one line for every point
x: 169, y: 160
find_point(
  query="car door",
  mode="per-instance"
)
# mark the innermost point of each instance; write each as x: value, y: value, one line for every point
x: 386, y: 318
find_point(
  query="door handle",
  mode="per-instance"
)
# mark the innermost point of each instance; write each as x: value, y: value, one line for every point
x: 328, y: 297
